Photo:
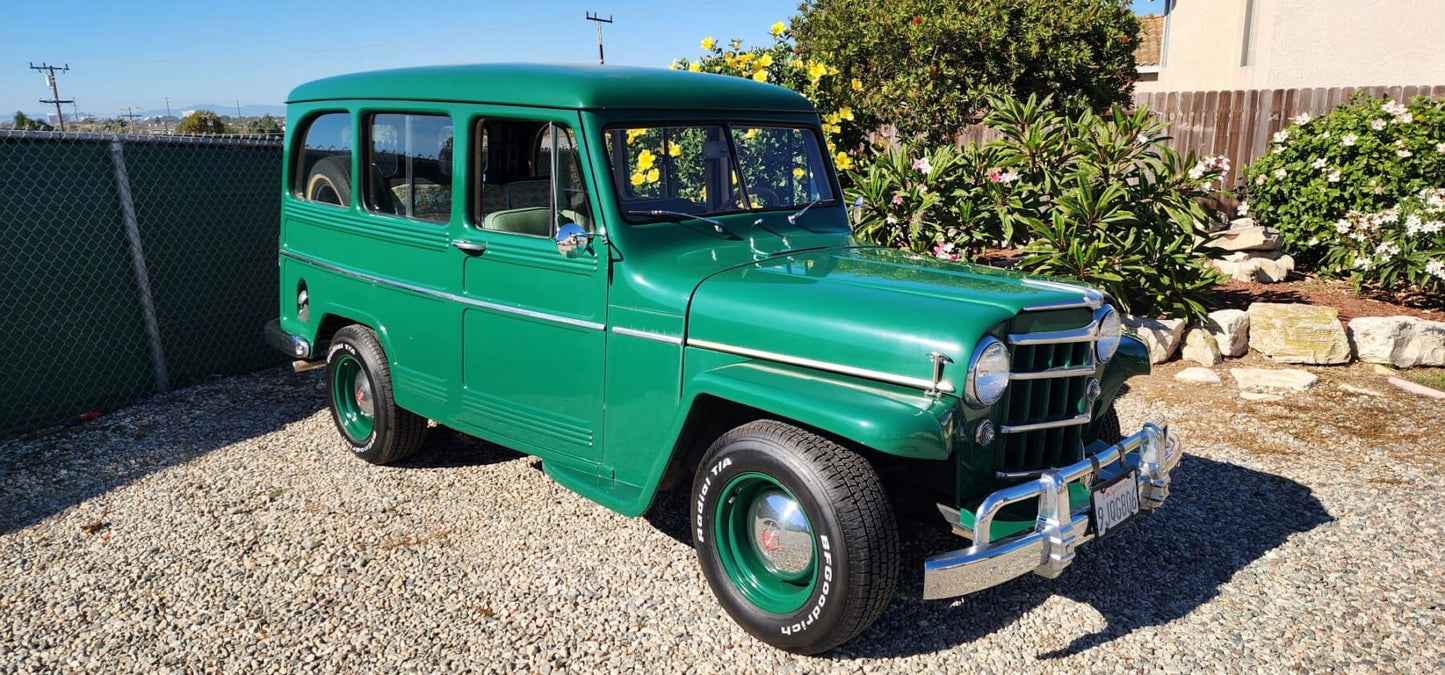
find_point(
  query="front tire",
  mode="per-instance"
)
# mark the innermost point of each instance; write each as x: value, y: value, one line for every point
x: 358, y: 384
x: 795, y: 535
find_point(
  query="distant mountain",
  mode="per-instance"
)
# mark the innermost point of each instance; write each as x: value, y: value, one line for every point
x: 246, y: 110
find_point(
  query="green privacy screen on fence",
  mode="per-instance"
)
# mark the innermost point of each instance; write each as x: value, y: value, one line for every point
x: 74, y: 332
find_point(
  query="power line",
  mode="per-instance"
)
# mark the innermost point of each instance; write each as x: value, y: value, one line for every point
x: 598, y: 18
x: 54, y: 89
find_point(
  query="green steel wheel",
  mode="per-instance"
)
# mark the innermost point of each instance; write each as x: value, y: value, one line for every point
x: 358, y: 384
x: 795, y: 536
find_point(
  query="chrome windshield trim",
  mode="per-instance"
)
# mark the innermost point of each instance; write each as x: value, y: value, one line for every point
x: 925, y: 384
x: 656, y: 337
x: 1052, y: 373
x: 1089, y: 333
x: 1051, y: 424
x: 507, y: 309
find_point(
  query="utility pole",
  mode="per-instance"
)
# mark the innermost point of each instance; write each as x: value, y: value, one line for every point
x: 598, y: 18
x: 55, y: 90
x: 238, y: 112
x: 129, y: 115
x: 168, y: 116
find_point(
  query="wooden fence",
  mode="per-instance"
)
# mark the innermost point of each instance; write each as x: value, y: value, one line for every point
x: 1239, y: 124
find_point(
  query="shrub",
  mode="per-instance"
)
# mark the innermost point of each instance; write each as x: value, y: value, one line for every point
x: 1401, y: 249
x: 1365, y: 157
x: 1096, y: 199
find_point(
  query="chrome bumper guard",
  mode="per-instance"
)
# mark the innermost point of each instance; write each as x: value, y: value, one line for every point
x: 1049, y: 547
x: 294, y: 346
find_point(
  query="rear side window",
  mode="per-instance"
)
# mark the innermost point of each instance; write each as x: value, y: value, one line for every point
x: 323, y: 172
x: 410, y: 161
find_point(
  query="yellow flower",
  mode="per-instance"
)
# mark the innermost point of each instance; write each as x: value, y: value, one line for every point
x: 798, y: 172
x: 745, y: 59
x: 760, y: 76
x: 645, y: 159
x: 694, y: 67
x: 777, y: 29
x: 843, y: 161
x: 752, y: 133
x: 797, y: 63
x: 857, y: 84
x: 832, y: 71
x: 765, y: 61
x: 846, y: 113
x: 708, y: 42
x: 831, y: 118
x: 673, y: 65
x: 632, y: 134
x: 652, y: 176
x: 816, y: 70
x: 637, y: 179
x: 674, y: 150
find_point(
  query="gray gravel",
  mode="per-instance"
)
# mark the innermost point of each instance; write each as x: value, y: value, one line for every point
x: 224, y: 528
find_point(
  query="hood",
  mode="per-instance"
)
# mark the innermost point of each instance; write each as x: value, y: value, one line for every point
x: 864, y: 309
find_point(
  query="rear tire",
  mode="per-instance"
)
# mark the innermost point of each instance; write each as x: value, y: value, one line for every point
x: 358, y: 385
x: 330, y: 181
x: 795, y: 535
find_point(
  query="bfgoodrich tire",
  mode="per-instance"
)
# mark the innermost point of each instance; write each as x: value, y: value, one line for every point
x: 795, y: 536
x: 358, y: 385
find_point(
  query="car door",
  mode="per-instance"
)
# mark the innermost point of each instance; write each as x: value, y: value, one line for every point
x: 534, y: 313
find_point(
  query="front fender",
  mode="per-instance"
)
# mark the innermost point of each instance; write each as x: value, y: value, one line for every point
x: 1131, y: 359
x: 892, y: 420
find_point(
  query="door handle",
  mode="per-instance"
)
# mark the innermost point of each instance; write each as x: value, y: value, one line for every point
x: 470, y: 247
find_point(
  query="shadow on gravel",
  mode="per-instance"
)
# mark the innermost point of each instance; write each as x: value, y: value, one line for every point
x: 669, y: 514
x: 1219, y: 518
x: 447, y: 448
x: 44, y: 473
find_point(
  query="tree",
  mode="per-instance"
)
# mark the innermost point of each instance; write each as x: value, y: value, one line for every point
x: 263, y: 126
x: 929, y: 66
x: 23, y: 122
x: 201, y: 122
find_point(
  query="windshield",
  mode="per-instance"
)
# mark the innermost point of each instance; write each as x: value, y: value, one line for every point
x: 716, y: 169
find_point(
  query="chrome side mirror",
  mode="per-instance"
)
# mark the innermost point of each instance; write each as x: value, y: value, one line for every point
x: 573, y: 241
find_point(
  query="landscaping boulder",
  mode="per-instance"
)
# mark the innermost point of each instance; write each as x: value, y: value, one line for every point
x: 1400, y: 341
x: 1197, y: 375
x: 1161, y: 336
x: 1247, y: 238
x: 1201, y: 348
x: 1267, y: 267
x: 1273, y: 380
x: 1293, y: 333
x: 1230, y: 328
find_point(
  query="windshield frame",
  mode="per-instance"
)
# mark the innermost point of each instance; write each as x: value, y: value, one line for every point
x: 620, y: 189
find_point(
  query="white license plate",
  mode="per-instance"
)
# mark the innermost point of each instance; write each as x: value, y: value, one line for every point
x: 1116, y: 502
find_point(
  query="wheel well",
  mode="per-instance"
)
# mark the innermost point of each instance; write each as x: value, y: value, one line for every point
x: 329, y: 325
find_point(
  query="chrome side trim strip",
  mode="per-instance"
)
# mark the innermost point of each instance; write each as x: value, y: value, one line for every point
x: 1051, y: 424
x: 916, y: 382
x: 1089, y: 333
x: 507, y: 309
x: 656, y: 337
x: 1091, y: 298
x: 1053, y: 373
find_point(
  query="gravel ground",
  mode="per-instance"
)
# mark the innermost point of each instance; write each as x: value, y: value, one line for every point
x: 224, y: 528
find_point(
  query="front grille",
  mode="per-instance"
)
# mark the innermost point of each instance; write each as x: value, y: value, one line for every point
x: 1046, y: 408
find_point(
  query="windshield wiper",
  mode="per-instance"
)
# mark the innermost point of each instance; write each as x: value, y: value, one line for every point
x: 716, y: 224
x: 793, y: 219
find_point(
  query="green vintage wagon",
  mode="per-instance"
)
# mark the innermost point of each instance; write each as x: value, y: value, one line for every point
x: 647, y: 279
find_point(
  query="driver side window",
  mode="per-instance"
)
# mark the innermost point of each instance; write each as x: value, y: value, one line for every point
x: 531, y: 179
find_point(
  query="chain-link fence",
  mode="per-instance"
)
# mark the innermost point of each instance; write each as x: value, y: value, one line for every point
x: 130, y: 265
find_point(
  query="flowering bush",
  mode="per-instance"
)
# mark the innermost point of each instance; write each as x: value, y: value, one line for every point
x: 1364, y: 157
x: 1400, y: 248
x: 1097, y: 199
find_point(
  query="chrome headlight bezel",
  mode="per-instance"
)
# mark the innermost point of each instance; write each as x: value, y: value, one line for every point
x: 1110, y: 327
x: 993, y: 355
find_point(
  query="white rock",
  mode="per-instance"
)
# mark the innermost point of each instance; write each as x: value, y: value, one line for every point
x: 1160, y: 335
x: 1241, y: 223
x: 1360, y: 390
x: 1400, y: 341
x: 1239, y: 256
x: 1291, y: 333
x: 1270, y: 272
x: 1201, y: 348
x: 1383, y: 370
x: 1250, y: 238
x: 1267, y: 380
x: 1417, y: 388
x: 1230, y: 328
x: 1258, y: 396
x: 1197, y: 375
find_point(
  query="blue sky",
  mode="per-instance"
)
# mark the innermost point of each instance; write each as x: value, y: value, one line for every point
x: 140, y: 52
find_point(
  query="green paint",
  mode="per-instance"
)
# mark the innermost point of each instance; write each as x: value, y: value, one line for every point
x: 740, y: 558
x: 347, y: 377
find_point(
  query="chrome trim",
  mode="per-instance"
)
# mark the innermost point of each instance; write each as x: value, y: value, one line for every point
x: 656, y: 337
x: 1051, y: 424
x: 916, y: 382
x: 1089, y: 333
x: 508, y: 309
x: 1019, y: 475
x: 1092, y: 298
x: 1053, y: 373
x: 970, y: 382
x: 1048, y: 549
x: 939, y: 361
x: 294, y: 346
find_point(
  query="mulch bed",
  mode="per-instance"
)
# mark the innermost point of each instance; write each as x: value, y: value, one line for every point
x: 1311, y: 291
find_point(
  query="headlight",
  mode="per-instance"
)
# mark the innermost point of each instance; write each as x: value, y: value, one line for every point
x: 987, y: 373
x: 1110, y: 328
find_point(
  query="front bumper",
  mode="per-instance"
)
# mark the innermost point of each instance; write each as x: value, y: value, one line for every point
x: 1049, y: 547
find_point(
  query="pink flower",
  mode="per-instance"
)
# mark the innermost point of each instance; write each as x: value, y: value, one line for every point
x: 923, y: 166
x: 1003, y: 176
x: 897, y: 199
x: 945, y: 252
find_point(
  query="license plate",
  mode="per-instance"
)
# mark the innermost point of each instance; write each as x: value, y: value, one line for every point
x: 1115, y: 502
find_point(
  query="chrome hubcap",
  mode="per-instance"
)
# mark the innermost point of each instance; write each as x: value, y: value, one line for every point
x: 363, y: 395
x: 780, y: 533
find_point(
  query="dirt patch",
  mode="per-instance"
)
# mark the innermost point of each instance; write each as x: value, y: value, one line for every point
x: 1312, y: 291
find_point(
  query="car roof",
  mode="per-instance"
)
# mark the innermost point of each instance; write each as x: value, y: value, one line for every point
x: 582, y: 87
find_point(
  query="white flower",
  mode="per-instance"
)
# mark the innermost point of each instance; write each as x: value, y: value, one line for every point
x: 1377, y: 125
x: 1342, y: 226
x: 1260, y: 179
x: 1008, y: 176
x: 1404, y: 118
x: 1334, y: 176
x: 1435, y: 268
x: 1242, y: 210
x: 1362, y: 263
x: 1403, y: 153
x: 1386, y: 251
x: 923, y: 166
x: 1432, y: 226
x: 1302, y: 118
x: 1413, y: 225
x: 1314, y: 241
x: 1324, y: 134
x: 1281, y: 136
x: 1280, y: 173
x: 891, y: 220
x: 1393, y: 108
x: 1440, y: 147
x: 1318, y: 163
x: 1348, y: 140
x: 1142, y: 139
